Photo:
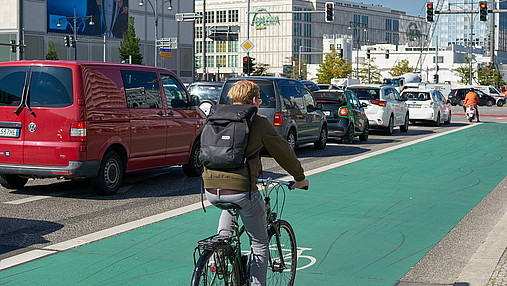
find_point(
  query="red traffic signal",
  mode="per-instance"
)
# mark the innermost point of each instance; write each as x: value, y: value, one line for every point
x: 429, y: 11
x: 329, y: 11
x: 483, y: 11
x: 483, y: 5
x: 429, y: 6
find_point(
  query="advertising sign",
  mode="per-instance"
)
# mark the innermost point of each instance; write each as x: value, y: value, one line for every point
x: 110, y: 17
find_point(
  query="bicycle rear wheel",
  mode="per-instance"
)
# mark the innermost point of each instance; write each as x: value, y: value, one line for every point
x: 216, y: 267
x: 279, y: 274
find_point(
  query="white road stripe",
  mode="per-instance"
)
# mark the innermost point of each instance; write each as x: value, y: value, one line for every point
x: 31, y: 199
x: 89, y: 238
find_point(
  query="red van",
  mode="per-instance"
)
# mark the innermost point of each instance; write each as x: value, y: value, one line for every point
x: 93, y: 120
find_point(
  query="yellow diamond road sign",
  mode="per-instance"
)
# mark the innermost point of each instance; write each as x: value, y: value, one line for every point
x: 247, y: 46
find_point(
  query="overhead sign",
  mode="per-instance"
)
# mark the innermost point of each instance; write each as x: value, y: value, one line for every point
x: 166, y: 53
x: 247, y: 45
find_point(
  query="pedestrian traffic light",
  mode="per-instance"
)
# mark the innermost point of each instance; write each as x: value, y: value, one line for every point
x: 483, y: 11
x: 329, y: 11
x: 429, y: 11
x: 13, y: 46
x: 66, y: 40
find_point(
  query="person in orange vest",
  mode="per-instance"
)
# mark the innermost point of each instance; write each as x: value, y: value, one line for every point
x: 472, y: 99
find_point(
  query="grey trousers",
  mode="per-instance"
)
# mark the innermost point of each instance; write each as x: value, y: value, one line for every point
x: 253, y: 215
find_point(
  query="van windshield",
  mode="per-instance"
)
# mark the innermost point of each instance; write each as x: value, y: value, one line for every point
x: 266, y: 90
x: 366, y: 93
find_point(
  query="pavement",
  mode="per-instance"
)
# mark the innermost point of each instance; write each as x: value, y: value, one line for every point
x: 428, y: 212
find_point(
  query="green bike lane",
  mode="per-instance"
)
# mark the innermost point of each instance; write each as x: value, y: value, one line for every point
x: 365, y: 223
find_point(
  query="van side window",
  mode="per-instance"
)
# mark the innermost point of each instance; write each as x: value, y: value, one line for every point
x: 12, y: 80
x: 142, y: 89
x: 288, y: 93
x: 175, y: 94
x: 51, y: 87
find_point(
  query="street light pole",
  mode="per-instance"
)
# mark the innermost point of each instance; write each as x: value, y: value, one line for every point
x: 155, y: 14
x: 75, y: 34
x: 74, y: 27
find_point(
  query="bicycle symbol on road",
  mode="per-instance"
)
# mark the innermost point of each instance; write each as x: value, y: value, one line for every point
x: 304, y: 261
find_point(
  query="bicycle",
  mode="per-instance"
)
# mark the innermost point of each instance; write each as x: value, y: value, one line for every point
x: 219, y: 258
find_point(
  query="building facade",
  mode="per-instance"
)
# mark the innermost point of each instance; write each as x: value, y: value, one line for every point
x: 37, y: 22
x: 281, y: 36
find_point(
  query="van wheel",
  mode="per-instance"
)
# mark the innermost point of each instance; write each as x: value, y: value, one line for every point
x: 291, y: 139
x: 404, y: 127
x: 12, y: 181
x: 321, y: 143
x: 194, y: 167
x: 110, y: 176
x: 390, y: 127
x: 500, y: 103
x: 366, y: 132
x: 349, y: 136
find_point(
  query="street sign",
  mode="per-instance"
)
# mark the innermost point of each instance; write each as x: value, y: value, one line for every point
x: 168, y: 43
x: 247, y: 45
x: 187, y: 16
x: 166, y: 53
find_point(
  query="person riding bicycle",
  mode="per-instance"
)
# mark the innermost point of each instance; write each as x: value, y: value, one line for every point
x: 472, y: 98
x: 233, y: 186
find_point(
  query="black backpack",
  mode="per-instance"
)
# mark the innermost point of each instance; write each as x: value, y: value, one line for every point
x: 224, y: 136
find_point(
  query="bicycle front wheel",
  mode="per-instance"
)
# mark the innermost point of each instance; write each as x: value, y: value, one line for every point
x: 282, y: 255
x: 216, y: 267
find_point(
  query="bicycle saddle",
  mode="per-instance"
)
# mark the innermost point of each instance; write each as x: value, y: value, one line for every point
x: 227, y: 206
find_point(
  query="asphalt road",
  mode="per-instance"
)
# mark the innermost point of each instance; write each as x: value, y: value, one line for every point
x: 51, y: 211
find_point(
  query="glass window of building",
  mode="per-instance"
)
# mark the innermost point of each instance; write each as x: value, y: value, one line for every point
x: 232, y: 46
x: 210, y: 47
x: 198, y: 20
x: 221, y: 46
x: 232, y: 61
x: 210, y: 16
x: 198, y: 62
x: 221, y: 61
x: 210, y: 61
x: 221, y: 16
x: 198, y: 32
x: 198, y: 47
x: 233, y: 16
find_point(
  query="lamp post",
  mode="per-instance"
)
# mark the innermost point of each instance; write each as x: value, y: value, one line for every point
x: 155, y: 12
x: 355, y: 26
x: 74, y: 26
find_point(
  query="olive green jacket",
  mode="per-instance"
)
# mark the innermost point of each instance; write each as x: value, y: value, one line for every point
x: 262, y: 134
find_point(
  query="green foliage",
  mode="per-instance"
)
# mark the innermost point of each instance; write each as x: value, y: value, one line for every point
x: 333, y: 67
x: 487, y: 76
x: 292, y: 70
x: 260, y: 69
x: 51, y: 55
x: 375, y: 76
x: 129, y: 45
x: 400, y: 68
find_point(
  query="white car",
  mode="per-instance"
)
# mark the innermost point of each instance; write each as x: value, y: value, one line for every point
x: 384, y: 106
x: 427, y: 105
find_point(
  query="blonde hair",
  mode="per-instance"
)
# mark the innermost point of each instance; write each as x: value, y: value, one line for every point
x: 243, y: 92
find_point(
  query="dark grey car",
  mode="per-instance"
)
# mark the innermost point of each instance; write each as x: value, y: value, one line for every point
x: 290, y: 107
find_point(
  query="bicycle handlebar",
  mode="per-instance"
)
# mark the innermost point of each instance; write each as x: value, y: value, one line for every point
x: 269, y: 180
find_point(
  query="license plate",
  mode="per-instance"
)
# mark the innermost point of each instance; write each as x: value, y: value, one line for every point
x: 327, y: 113
x: 9, y: 132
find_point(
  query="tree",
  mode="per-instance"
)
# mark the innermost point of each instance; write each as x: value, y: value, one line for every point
x: 291, y: 70
x: 374, y: 72
x: 400, y: 68
x: 333, y: 67
x: 491, y: 76
x: 129, y: 45
x: 51, y: 55
x: 260, y: 69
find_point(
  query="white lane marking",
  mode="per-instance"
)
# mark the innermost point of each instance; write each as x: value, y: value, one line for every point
x: 31, y: 199
x: 24, y: 257
x: 89, y: 238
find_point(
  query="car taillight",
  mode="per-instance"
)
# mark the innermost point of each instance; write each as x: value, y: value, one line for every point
x: 379, y: 102
x: 344, y: 111
x: 78, y: 131
x: 278, y: 119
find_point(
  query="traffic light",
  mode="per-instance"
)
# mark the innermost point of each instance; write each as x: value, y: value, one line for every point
x: 387, y: 54
x: 66, y: 40
x: 251, y: 64
x: 368, y: 54
x: 13, y: 46
x: 72, y: 41
x: 483, y: 11
x: 329, y: 11
x: 429, y: 11
x: 245, y: 65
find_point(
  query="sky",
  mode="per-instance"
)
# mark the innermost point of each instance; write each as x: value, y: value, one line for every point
x: 411, y: 7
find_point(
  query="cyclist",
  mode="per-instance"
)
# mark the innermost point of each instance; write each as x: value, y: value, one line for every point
x: 233, y: 186
x: 472, y: 98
